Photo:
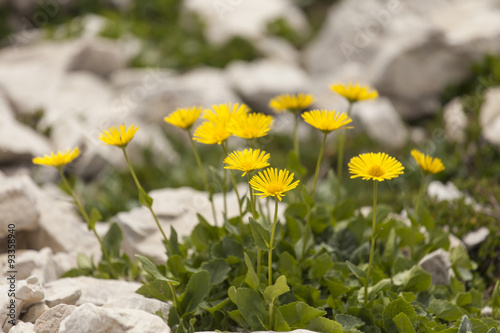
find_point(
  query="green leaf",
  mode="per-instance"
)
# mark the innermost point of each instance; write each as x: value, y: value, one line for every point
x: 336, y: 287
x: 492, y: 330
x: 251, y: 307
x: 251, y: 278
x: 495, y: 299
x: 158, y: 289
x: 95, y: 216
x: 289, y: 267
x: 349, y: 322
x: 382, y: 285
x: 113, y: 240
x: 306, y: 197
x: 321, y: 265
x: 218, y: 270
x: 414, y: 279
x: 403, y: 323
x: 463, y: 299
x: 445, y: 310
x: 151, y: 268
x: 173, y: 317
x: 394, y: 308
x: 84, y: 262
x: 279, y: 288
x: 174, y: 241
x: 204, y: 234
x: 279, y: 323
x: 231, y: 292
x: 176, y: 267
x: 293, y: 164
x: 356, y: 271
x: 465, y: 325
x: 218, y: 307
x: 324, y: 325
x: 298, y: 314
x: 260, y: 235
x: 145, y: 199
x: 196, y: 291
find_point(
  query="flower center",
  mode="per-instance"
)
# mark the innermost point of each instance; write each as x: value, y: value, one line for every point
x: 275, y: 188
x: 375, y: 171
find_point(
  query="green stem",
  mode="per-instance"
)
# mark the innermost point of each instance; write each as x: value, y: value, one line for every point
x: 320, y: 157
x: 340, y: 157
x: 254, y: 215
x: 372, y: 246
x: 174, y: 296
x: 84, y: 214
x: 139, y: 187
x: 233, y: 180
x: 203, y: 176
x: 270, y: 253
x: 296, y: 136
x: 417, y: 215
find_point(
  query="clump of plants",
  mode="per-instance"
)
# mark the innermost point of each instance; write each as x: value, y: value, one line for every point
x: 323, y: 264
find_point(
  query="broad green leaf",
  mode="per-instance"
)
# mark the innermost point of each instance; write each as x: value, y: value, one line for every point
x: 158, y: 289
x: 279, y: 323
x: 394, y: 308
x: 322, y: 264
x: 463, y: 299
x: 465, y: 325
x: 356, y: 271
x: 336, y: 287
x: 196, y: 291
x: 174, y: 241
x: 324, y: 325
x: 403, y: 323
x: 279, y: 288
x: 145, y: 199
x: 414, y: 279
x: 113, y: 240
x: 297, y: 314
x: 217, y: 307
x: 382, y: 285
x: 237, y: 317
x: 445, y: 310
x: 218, y: 270
x: 251, y: 278
x: 289, y: 267
x: 495, y: 299
x: 251, y: 307
x: 151, y: 268
x: 260, y: 235
x: 204, y: 234
x: 231, y: 292
x: 173, y: 317
x: 95, y: 216
x: 177, y: 268
x: 492, y: 330
x: 478, y: 325
x: 84, y: 262
x: 349, y: 322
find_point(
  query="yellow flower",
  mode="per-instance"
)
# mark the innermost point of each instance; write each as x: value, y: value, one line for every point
x: 327, y: 121
x: 119, y: 137
x: 224, y: 113
x: 354, y: 93
x: 251, y: 125
x: 58, y: 159
x: 427, y: 163
x: 293, y: 103
x: 211, y: 132
x: 270, y: 182
x: 378, y: 166
x: 184, y: 117
x: 247, y: 160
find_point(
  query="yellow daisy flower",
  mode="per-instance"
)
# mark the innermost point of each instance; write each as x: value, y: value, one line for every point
x: 251, y: 125
x: 327, y: 121
x: 247, y: 160
x: 119, y: 137
x: 59, y: 159
x: 427, y: 163
x: 224, y: 113
x: 378, y: 166
x: 354, y: 93
x: 184, y: 117
x: 272, y: 182
x: 293, y: 103
x: 211, y: 132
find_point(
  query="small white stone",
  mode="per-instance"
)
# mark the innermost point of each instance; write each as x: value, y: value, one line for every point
x: 438, y: 265
x: 476, y: 237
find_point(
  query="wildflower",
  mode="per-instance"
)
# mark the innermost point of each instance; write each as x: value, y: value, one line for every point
x: 119, y: 137
x: 326, y: 121
x: 272, y: 182
x: 57, y: 160
x: 293, y: 103
x: 247, y: 160
x: 354, y: 93
x: 184, y: 117
x: 224, y: 113
x: 427, y: 163
x: 251, y: 125
x: 378, y: 166
x: 211, y: 132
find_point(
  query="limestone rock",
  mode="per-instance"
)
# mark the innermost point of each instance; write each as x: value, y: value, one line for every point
x: 442, y: 192
x: 34, y: 312
x: 50, y: 321
x: 489, y: 116
x: 89, y: 318
x: 57, y: 292
x: 138, y: 302
x: 476, y: 237
x: 455, y: 121
x: 438, y: 265
x: 22, y: 327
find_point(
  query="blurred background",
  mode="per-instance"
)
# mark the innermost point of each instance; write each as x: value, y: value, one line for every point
x: 72, y: 68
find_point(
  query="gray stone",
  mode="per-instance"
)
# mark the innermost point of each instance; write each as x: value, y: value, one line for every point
x: 489, y: 116
x: 442, y: 192
x: 476, y: 237
x: 438, y: 265
x: 34, y: 312
x: 22, y: 327
x: 61, y: 293
x: 455, y: 120
x: 138, y: 302
x: 89, y: 318
x: 50, y: 321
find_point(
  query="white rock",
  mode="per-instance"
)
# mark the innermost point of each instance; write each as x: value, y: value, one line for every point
x: 91, y: 319
x: 442, y: 192
x: 476, y: 237
x: 138, y: 302
x: 226, y: 19
x: 395, y: 39
x: 50, y: 321
x: 57, y: 293
x: 278, y: 49
x: 22, y: 327
x: 455, y: 120
x: 34, y: 312
x: 487, y: 311
x: 438, y: 265
x: 489, y: 116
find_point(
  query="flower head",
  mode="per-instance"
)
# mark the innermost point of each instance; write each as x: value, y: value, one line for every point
x: 211, y: 132
x: 272, y: 182
x: 119, y: 137
x: 184, y: 118
x: 251, y: 125
x: 293, y: 103
x: 378, y: 166
x: 326, y: 121
x: 354, y: 93
x: 224, y: 113
x: 59, y: 159
x: 247, y: 160
x: 427, y: 163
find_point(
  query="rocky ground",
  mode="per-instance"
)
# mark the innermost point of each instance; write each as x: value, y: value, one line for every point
x: 409, y: 51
